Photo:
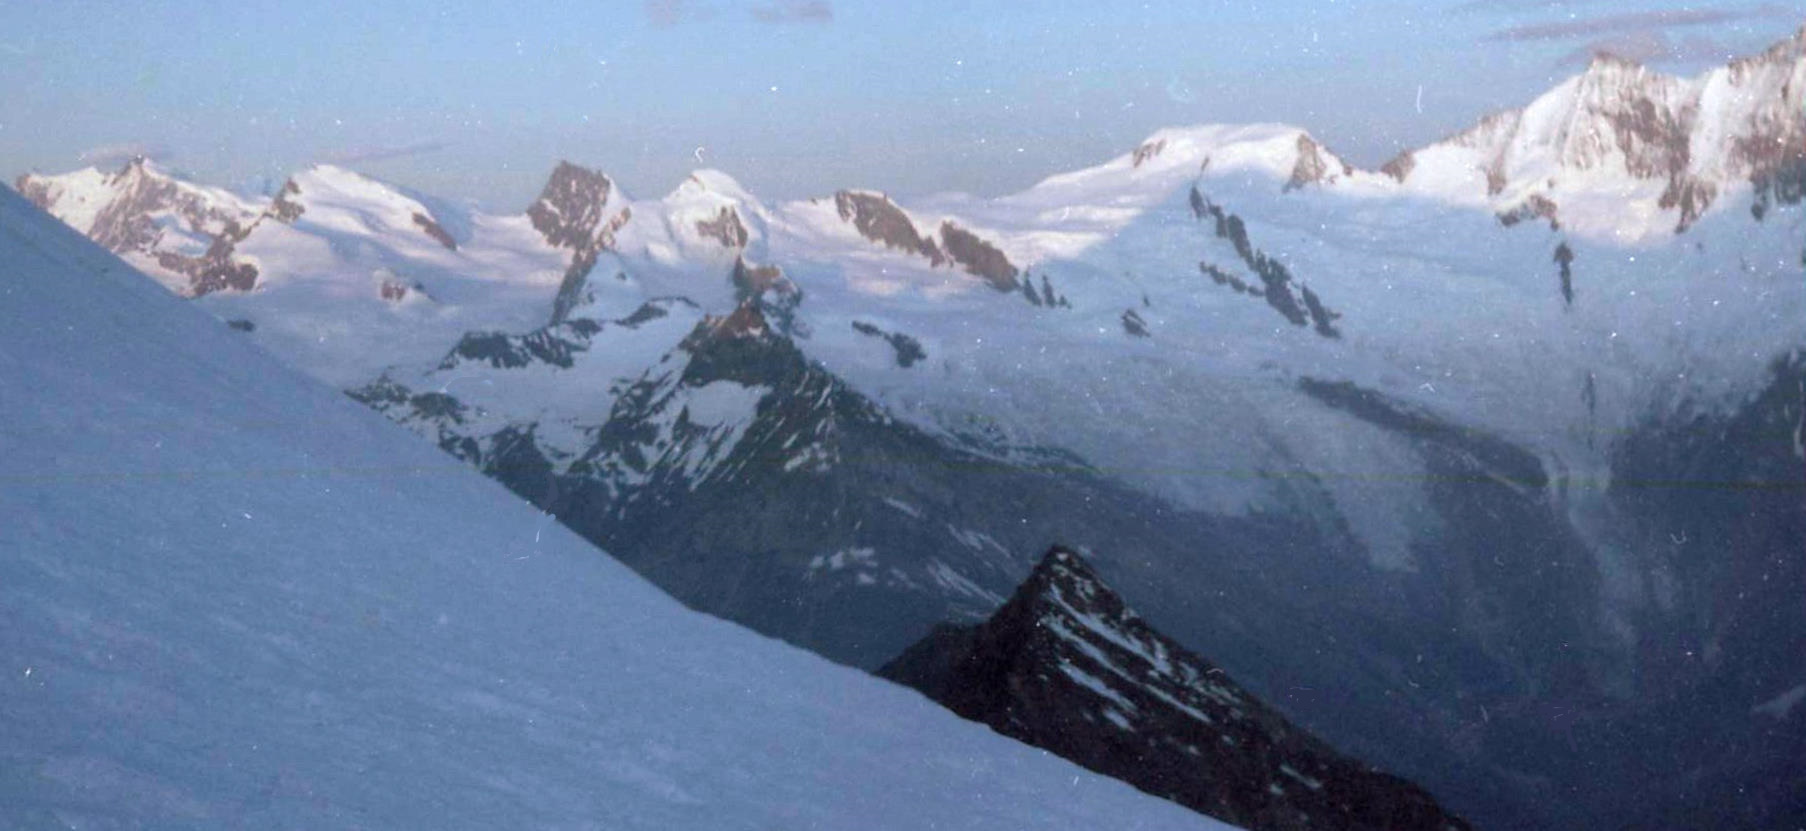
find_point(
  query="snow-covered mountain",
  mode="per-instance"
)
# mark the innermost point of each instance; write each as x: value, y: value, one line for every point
x: 1068, y: 666
x: 1626, y: 151
x: 231, y: 598
x: 1526, y: 495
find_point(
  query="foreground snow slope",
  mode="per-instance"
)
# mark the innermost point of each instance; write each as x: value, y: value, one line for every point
x: 231, y: 598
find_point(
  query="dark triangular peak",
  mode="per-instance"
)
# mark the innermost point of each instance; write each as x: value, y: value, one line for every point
x: 569, y: 208
x: 1066, y: 665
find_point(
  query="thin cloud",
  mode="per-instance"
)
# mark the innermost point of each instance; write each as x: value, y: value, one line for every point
x: 794, y: 11
x: 377, y: 154
x: 122, y: 151
x: 1625, y: 23
x: 675, y: 12
x: 1514, y: 5
x: 1652, y: 46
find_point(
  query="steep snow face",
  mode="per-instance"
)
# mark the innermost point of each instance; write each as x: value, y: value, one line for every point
x: 230, y: 598
x: 1623, y: 152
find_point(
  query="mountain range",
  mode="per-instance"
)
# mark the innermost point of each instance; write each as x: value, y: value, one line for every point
x: 1486, y: 467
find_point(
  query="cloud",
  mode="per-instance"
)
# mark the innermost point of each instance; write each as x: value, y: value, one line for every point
x: 107, y: 154
x: 377, y: 154
x: 674, y: 12
x: 1514, y: 5
x: 1627, y: 23
x: 1652, y: 46
x: 794, y: 11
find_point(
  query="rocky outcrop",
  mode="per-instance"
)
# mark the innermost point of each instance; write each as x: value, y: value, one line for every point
x: 880, y: 220
x: 1147, y: 150
x: 570, y: 214
x: 908, y: 350
x: 1292, y: 300
x: 725, y: 227
x: 569, y: 210
x: 1314, y: 165
x: 979, y: 257
x: 1537, y: 206
x: 434, y: 230
x: 1133, y: 325
x: 1067, y: 666
x: 283, y: 208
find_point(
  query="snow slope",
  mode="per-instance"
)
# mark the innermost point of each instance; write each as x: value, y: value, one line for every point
x: 231, y: 598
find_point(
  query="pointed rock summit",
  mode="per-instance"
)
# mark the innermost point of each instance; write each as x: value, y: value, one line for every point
x: 1066, y: 665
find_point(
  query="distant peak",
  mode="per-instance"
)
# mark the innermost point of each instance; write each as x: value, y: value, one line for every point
x: 1064, y: 573
x: 1062, y: 559
x: 140, y: 165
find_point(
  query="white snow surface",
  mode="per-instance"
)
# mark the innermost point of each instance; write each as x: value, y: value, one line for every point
x: 229, y: 597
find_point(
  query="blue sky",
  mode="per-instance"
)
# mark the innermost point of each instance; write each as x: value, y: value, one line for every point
x: 793, y: 97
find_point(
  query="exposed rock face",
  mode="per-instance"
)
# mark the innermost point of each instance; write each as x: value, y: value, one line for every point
x: 775, y: 295
x: 1537, y: 206
x: 881, y: 221
x: 1067, y: 666
x: 433, y: 229
x: 1133, y: 324
x: 1292, y: 300
x: 146, y: 212
x: 1147, y: 150
x: 908, y: 349
x: 283, y: 208
x: 724, y: 228
x: 35, y: 190
x: 1312, y: 166
x: 1400, y: 166
x: 569, y: 210
x: 553, y: 345
x: 215, y: 270
x: 1564, y: 263
x: 979, y: 257
x: 570, y: 213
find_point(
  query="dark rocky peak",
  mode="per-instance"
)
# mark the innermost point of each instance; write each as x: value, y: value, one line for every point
x: 1068, y: 666
x: 979, y: 257
x: 725, y: 227
x: 568, y: 212
x: 880, y: 220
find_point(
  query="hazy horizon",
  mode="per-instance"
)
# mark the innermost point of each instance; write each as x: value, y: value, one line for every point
x: 478, y: 102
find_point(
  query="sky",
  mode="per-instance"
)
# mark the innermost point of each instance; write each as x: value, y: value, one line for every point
x: 477, y: 101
